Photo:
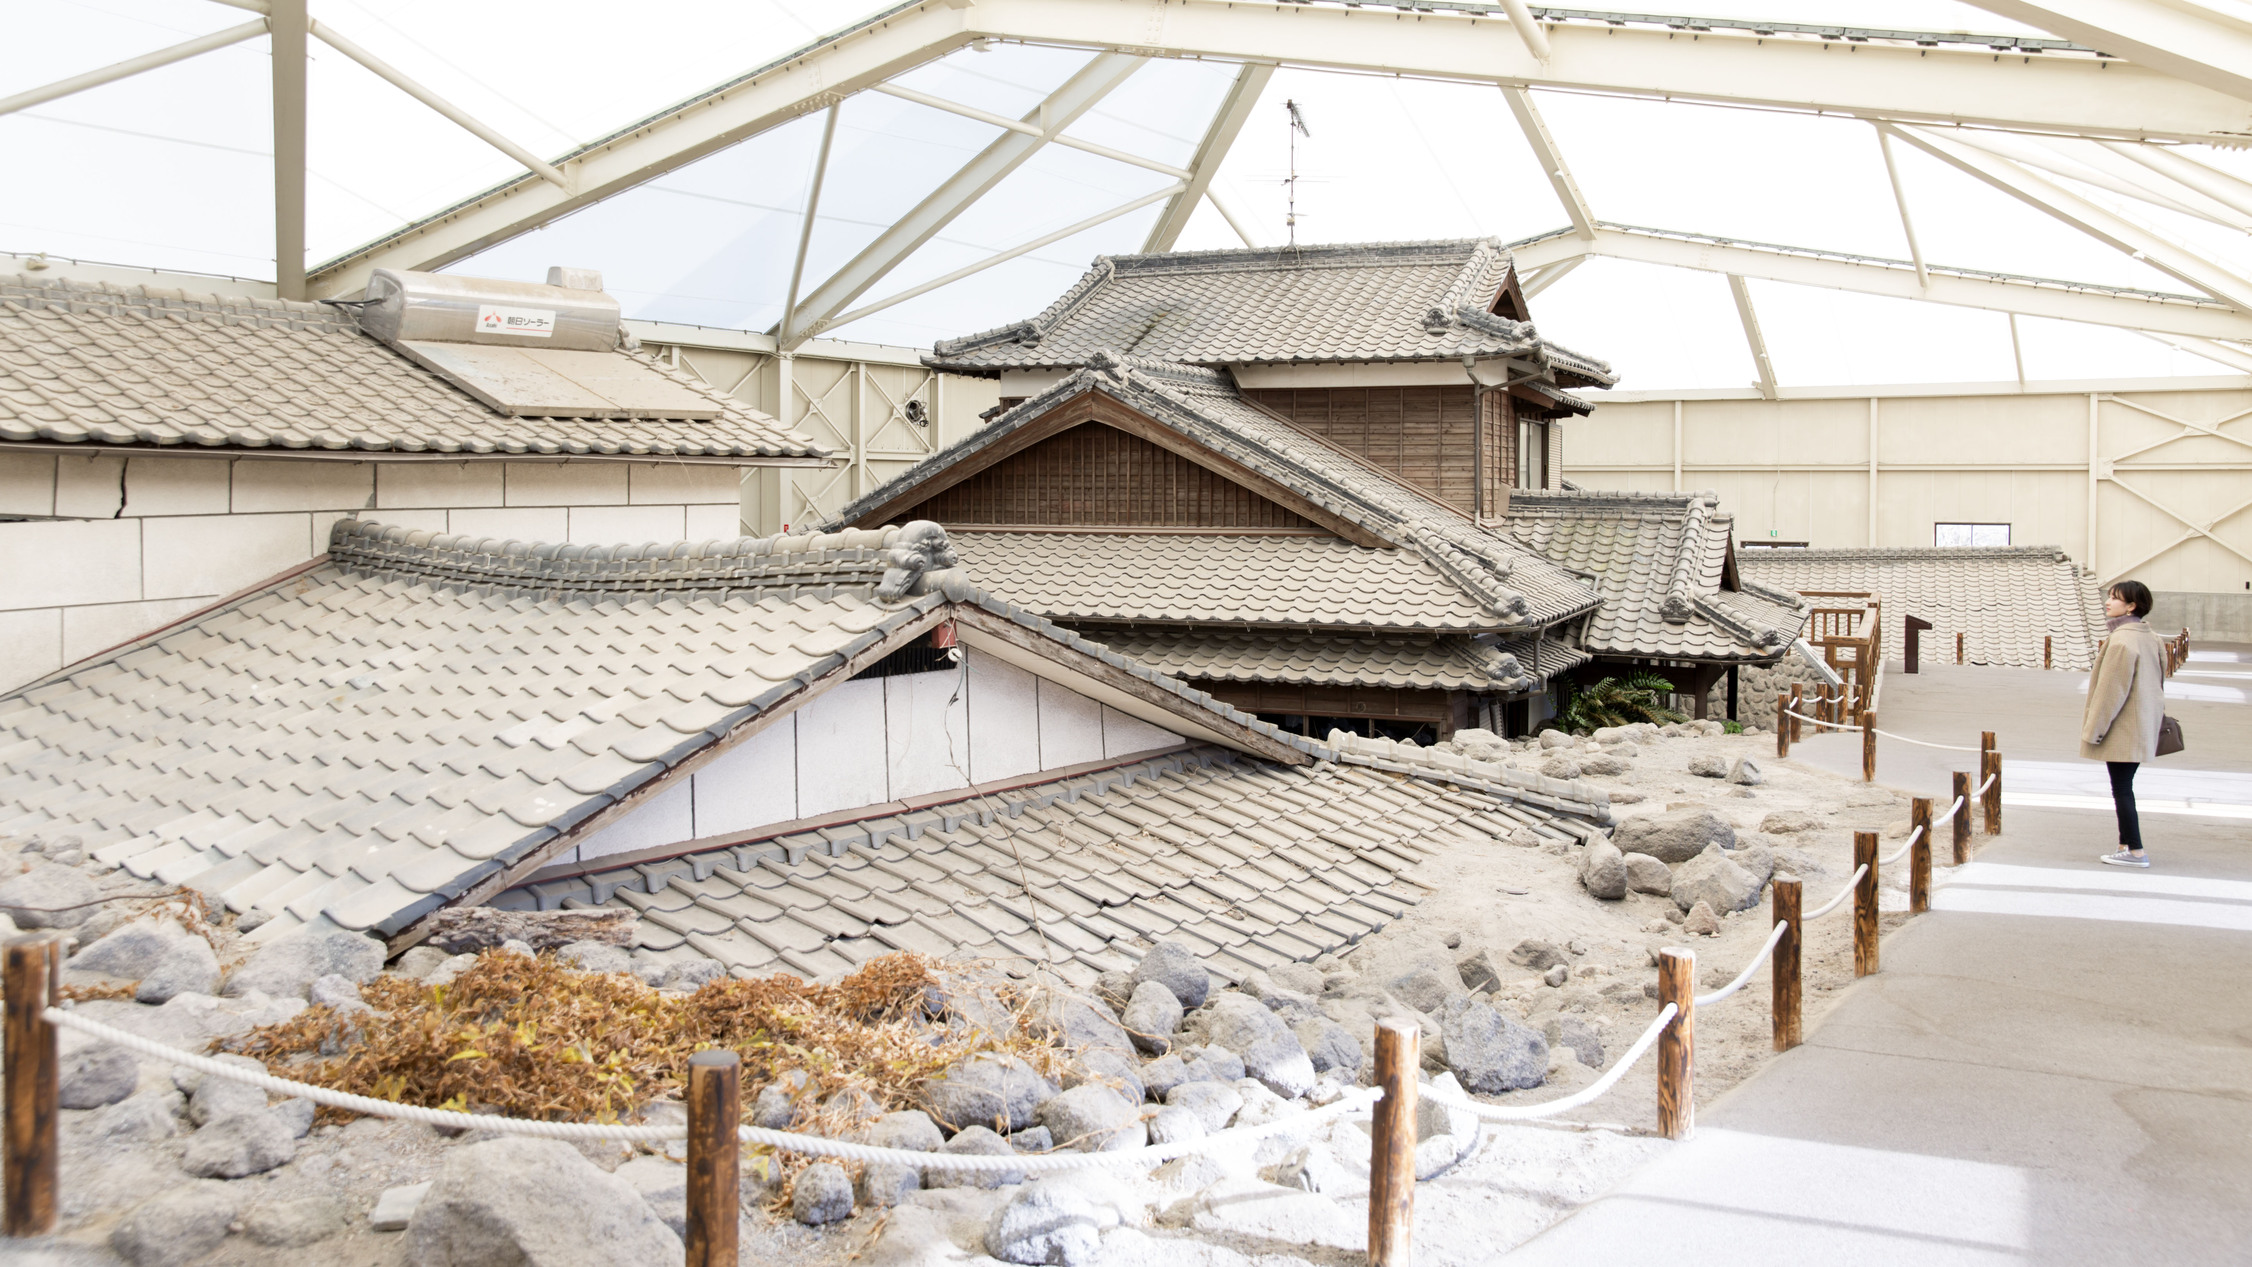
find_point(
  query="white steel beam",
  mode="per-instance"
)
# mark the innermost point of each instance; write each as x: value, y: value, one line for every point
x: 1900, y: 199
x: 1869, y: 275
x: 1227, y: 123
x: 456, y: 115
x: 2211, y: 350
x: 2098, y: 222
x: 1757, y: 341
x: 1551, y: 161
x: 2191, y: 41
x: 1062, y: 108
x: 132, y: 66
x: 1022, y: 127
x: 2058, y: 92
x: 2138, y: 185
x: 812, y: 211
x: 1003, y: 257
x: 1528, y: 30
x: 1237, y: 221
x: 287, y: 21
x: 1548, y: 276
x: 2213, y: 183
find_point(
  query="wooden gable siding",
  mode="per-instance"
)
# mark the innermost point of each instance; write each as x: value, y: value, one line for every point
x: 1428, y: 436
x: 1093, y: 475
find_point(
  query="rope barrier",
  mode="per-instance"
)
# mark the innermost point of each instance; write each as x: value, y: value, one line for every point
x: 787, y: 1141
x: 1826, y: 725
x: 1925, y: 743
x: 1843, y: 894
x: 1987, y: 784
x: 1704, y: 1000
x: 1549, y: 1108
x: 1902, y: 852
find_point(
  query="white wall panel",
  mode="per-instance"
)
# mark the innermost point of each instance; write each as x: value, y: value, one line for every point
x: 74, y: 561
x: 34, y: 640
x: 87, y: 630
x: 218, y: 554
x: 27, y: 483
x: 1124, y: 735
x: 683, y: 483
x: 521, y: 523
x: 177, y: 486
x: 88, y: 487
x: 1004, y: 719
x: 612, y: 525
x: 667, y: 818
x: 751, y: 784
x: 841, y: 759
x: 430, y: 484
x: 566, y: 483
x: 1071, y: 727
x: 277, y: 484
x: 927, y: 738
x: 714, y: 523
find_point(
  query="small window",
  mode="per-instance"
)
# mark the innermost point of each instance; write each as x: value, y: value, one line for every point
x: 1971, y: 534
x: 1532, y: 454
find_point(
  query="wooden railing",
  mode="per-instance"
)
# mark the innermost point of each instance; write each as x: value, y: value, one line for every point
x: 1851, y: 635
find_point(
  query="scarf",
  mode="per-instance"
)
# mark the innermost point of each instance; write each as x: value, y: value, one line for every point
x: 2111, y: 623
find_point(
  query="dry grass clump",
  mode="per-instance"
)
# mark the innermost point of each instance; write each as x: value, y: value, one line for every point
x: 527, y: 1037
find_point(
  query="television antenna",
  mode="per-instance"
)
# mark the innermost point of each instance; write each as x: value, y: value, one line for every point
x: 1297, y: 129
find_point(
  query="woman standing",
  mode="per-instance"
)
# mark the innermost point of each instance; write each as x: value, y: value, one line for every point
x: 2126, y: 703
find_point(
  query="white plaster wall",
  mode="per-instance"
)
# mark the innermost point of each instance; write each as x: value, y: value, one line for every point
x: 883, y: 739
x: 117, y: 546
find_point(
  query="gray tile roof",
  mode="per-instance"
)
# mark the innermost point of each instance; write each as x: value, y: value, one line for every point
x: 1513, y: 587
x: 1248, y: 863
x: 1382, y: 301
x: 1658, y: 560
x: 2002, y: 599
x: 145, y: 365
x: 1310, y: 659
x: 376, y: 736
x: 1546, y: 657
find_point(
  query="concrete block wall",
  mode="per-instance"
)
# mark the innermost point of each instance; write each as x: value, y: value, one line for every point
x: 2208, y: 617
x: 96, y: 549
x: 875, y: 740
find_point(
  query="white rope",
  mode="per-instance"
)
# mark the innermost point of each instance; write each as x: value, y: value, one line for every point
x: 1987, y: 784
x: 788, y: 1141
x: 1828, y: 725
x: 1041, y: 1163
x: 1843, y: 893
x: 1549, y: 1108
x: 1749, y: 968
x: 367, y: 1105
x: 1941, y: 821
x: 1902, y: 852
x: 1925, y: 743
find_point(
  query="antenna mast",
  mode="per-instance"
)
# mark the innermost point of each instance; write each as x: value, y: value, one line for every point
x: 1297, y: 129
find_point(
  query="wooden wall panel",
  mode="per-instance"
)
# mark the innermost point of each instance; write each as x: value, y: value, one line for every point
x: 1097, y: 476
x: 1425, y: 435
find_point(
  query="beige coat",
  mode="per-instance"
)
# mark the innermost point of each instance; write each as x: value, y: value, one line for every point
x: 2126, y: 696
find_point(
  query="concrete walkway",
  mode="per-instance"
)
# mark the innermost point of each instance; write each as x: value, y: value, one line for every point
x: 2055, y: 1065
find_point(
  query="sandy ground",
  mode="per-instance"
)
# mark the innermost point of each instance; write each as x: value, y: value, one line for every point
x: 1518, y: 1180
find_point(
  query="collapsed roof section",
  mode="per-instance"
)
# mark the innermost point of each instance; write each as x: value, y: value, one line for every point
x: 414, y: 721
x: 1449, y: 572
x: 1665, y: 566
x: 152, y: 366
x: 1360, y: 303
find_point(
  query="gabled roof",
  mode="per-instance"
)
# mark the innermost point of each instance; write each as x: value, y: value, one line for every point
x: 2004, y: 600
x: 415, y: 720
x: 1659, y: 560
x: 1383, y: 301
x: 146, y: 365
x: 1504, y: 585
x: 1249, y: 864
x: 1309, y: 659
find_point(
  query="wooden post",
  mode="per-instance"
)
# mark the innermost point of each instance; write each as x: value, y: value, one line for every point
x: 1782, y: 726
x: 715, y: 1158
x: 1677, y: 1042
x: 1391, y: 1177
x: 1868, y: 746
x: 1798, y: 705
x: 27, y: 1186
x: 2048, y: 651
x: 1961, y: 821
x: 1785, y: 968
x: 1865, y: 904
x: 1958, y: 648
x: 1919, y: 856
x: 1993, y: 769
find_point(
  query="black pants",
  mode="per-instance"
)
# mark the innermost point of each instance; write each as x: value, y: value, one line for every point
x: 2123, y: 800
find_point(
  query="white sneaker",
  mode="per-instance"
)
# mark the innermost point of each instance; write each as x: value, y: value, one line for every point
x: 2125, y: 859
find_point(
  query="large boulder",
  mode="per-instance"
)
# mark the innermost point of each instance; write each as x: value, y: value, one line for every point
x: 1676, y: 835
x: 96, y: 1076
x: 1478, y: 972
x: 39, y: 897
x: 1785, y: 822
x: 1074, y: 1021
x: 215, y: 1097
x: 239, y: 1144
x: 989, y: 1088
x: 1492, y: 1053
x: 1645, y: 874
x: 1538, y: 955
x: 518, y: 1202
x: 1713, y: 878
x: 1576, y: 1034
x: 164, y: 958
x: 1152, y: 1015
x: 821, y: 1195
x: 1709, y: 767
x: 1271, y: 1053
x: 1603, y: 871
x: 1092, y: 1118
x: 1329, y: 1046
x: 289, y: 965
x: 1427, y: 989
x: 178, y: 1225
x: 1177, y: 968
x: 296, y: 1224
x: 909, y: 1129
x: 1214, y: 1103
x: 1115, y: 1069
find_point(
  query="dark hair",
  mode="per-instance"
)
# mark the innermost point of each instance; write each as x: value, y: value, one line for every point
x: 2133, y: 593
